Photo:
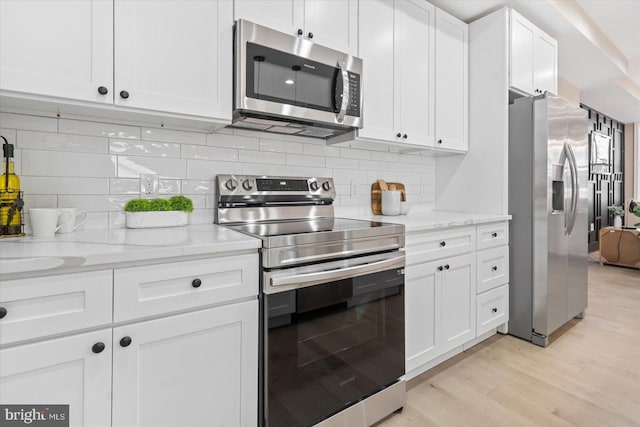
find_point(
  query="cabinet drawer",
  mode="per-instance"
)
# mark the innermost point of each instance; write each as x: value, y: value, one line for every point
x: 54, y: 304
x: 150, y: 290
x: 492, y: 309
x: 491, y: 235
x: 421, y: 247
x: 492, y: 268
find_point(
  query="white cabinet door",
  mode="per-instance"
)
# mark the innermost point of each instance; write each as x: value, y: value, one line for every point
x: 332, y: 23
x: 422, y: 313
x: 57, y: 48
x: 452, y: 83
x: 376, y: 50
x: 414, y: 77
x: 174, y: 56
x: 190, y: 369
x: 458, y: 302
x: 523, y: 34
x: 546, y: 62
x: 62, y: 371
x: 286, y: 16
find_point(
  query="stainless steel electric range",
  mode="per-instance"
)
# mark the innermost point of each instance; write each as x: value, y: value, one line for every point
x: 332, y: 302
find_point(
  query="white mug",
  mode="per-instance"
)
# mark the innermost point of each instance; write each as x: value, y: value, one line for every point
x: 391, y: 202
x: 44, y: 221
x: 404, y: 208
x: 72, y: 224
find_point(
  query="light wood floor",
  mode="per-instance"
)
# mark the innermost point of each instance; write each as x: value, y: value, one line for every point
x: 589, y: 375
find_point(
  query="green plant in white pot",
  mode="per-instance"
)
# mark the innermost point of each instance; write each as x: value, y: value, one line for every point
x: 143, y: 213
x: 618, y: 213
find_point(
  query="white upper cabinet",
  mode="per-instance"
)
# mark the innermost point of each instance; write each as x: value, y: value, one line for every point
x: 174, y: 56
x: 330, y: 23
x: 534, y: 58
x: 397, y: 46
x: 62, y: 48
x: 452, y: 82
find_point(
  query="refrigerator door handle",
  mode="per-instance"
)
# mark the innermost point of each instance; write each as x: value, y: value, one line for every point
x: 573, y: 168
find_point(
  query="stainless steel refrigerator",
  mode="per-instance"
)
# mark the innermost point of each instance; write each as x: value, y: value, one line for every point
x: 548, y: 162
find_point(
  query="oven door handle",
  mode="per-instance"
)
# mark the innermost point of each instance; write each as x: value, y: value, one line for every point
x: 309, y: 279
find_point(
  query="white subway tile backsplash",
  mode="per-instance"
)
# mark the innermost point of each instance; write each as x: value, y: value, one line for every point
x: 9, y: 135
x: 200, y: 152
x: 168, y: 135
x: 133, y: 166
x: 63, y: 185
x: 96, y: 166
x: 56, y: 163
x: 144, y: 148
x: 80, y: 127
x: 23, y: 121
x: 61, y: 142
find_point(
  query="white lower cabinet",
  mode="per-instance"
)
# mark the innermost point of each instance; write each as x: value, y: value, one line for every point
x: 74, y: 371
x: 458, y: 301
x: 422, y: 313
x: 193, y: 369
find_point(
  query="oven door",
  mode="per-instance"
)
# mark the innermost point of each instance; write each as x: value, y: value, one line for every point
x: 331, y: 342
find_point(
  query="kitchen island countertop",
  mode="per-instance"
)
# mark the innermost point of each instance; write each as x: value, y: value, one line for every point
x: 116, y: 247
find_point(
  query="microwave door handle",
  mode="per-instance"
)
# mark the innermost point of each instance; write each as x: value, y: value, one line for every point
x: 342, y: 67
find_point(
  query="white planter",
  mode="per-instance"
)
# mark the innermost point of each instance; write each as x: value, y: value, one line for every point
x: 617, y: 221
x: 156, y: 219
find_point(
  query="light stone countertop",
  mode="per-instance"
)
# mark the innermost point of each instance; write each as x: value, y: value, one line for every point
x: 110, y: 247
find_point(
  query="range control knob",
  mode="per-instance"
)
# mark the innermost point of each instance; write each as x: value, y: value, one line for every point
x: 231, y: 184
x: 326, y: 186
x: 247, y: 185
x: 314, y: 185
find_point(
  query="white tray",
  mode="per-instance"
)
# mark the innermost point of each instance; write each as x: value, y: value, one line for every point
x: 156, y: 219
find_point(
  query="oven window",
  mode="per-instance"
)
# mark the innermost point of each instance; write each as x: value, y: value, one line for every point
x: 280, y: 77
x: 331, y: 345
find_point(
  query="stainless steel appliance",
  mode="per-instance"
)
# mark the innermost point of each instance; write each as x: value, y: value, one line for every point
x: 332, y: 302
x: 289, y: 85
x: 548, y: 162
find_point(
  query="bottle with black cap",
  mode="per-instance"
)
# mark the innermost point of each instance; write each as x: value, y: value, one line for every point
x: 10, y: 200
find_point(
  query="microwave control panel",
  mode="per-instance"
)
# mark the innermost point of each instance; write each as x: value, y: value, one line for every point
x: 353, y: 108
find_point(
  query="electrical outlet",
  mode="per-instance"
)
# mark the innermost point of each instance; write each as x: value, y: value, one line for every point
x: 149, y: 184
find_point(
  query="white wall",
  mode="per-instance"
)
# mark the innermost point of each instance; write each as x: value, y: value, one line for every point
x: 97, y: 166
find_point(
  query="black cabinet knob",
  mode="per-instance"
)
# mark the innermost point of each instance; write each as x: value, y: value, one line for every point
x: 494, y: 234
x: 439, y: 141
x: 300, y: 32
x: 125, y: 342
x: 494, y: 268
x: 440, y: 268
x: 124, y: 94
x: 103, y: 90
x: 98, y: 347
x: 196, y: 283
x: 443, y: 244
x: 446, y: 267
x: 3, y: 312
x: 495, y: 310
x: 404, y: 136
x: 310, y: 35
x: 398, y: 135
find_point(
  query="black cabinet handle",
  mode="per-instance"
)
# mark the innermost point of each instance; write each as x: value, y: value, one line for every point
x: 103, y: 90
x: 446, y: 267
x: 494, y: 234
x: 310, y: 35
x: 124, y: 94
x: 3, y: 312
x: 443, y: 244
x: 398, y: 135
x: 196, y: 283
x: 440, y: 268
x: 98, y: 347
x: 125, y: 342
x: 300, y: 32
x: 494, y: 268
x: 404, y: 136
x: 495, y: 310
x: 439, y: 141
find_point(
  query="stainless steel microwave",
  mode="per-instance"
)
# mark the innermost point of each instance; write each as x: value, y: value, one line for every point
x: 288, y: 85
